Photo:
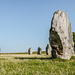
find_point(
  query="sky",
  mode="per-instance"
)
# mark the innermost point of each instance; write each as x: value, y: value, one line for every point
x: 26, y: 23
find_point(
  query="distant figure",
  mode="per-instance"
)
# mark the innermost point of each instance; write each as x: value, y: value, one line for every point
x: 30, y: 50
x: 39, y: 50
x: 48, y: 51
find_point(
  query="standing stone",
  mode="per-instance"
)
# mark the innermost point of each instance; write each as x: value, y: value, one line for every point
x: 30, y: 50
x: 61, y: 37
x: 39, y: 50
x: 48, y: 51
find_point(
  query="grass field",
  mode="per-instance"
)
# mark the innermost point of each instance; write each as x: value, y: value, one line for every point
x: 24, y: 64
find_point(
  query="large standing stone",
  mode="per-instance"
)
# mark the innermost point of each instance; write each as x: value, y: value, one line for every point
x: 39, y: 50
x: 30, y: 50
x: 48, y: 51
x: 61, y: 38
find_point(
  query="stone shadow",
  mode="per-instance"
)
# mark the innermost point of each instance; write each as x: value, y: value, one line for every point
x: 33, y: 58
x: 42, y: 58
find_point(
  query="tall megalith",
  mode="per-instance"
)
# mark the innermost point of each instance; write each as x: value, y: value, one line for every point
x: 61, y: 37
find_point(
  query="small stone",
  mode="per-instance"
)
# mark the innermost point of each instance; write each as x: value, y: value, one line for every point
x: 48, y: 51
x: 30, y: 50
x: 39, y: 50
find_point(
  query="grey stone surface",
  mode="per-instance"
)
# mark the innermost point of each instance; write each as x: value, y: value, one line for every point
x: 48, y: 50
x: 30, y: 50
x: 61, y: 37
x: 39, y: 50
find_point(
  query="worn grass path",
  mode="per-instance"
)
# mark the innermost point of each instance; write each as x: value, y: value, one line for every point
x: 24, y: 64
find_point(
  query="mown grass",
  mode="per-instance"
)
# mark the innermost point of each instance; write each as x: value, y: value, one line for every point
x: 36, y: 66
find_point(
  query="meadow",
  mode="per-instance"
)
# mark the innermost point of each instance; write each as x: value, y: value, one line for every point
x: 25, y: 64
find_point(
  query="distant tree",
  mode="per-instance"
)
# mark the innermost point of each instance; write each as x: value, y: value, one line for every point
x: 74, y: 38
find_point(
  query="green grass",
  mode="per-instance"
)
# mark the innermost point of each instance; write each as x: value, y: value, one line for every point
x: 36, y: 66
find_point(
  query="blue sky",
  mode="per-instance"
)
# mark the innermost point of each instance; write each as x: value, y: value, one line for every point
x: 26, y: 23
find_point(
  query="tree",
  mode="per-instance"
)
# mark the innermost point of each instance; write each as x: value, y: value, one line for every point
x: 74, y: 39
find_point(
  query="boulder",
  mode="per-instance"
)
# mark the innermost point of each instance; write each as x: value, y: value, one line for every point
x: 61, y: 37
x: 48, y: 50
x: 30, y: 50
x: 39, y: 50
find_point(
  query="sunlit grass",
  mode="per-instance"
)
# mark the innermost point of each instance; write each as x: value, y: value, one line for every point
x: 42, y: 65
